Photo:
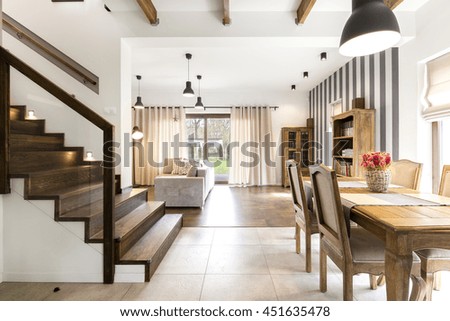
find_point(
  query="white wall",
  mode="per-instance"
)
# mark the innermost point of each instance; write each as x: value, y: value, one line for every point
x: 433, y: 36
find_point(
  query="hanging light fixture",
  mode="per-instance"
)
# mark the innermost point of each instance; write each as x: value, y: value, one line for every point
x: 136, y: 133
x: 305, y: 75
x: 371, y: 28
x: 199, y: 104
x: 188, y: 91
x: 139, y: 104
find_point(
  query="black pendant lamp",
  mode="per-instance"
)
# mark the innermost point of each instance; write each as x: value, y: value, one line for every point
x: 188, y: 91
x: 199, y: 104
x: 139, y: 104
x: 371, y: 28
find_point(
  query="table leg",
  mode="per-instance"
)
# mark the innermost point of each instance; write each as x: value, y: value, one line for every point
x: 398, y: 269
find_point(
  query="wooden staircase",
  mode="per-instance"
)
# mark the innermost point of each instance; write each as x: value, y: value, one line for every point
x: 52, y: 171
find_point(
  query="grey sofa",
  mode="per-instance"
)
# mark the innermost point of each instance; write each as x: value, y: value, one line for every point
x: 184, y: 191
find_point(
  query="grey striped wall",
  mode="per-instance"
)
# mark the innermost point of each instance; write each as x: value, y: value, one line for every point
x: 374, y: 77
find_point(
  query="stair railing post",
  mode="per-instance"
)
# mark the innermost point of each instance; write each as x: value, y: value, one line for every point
x: 5, y: 187
x: 108, y: 205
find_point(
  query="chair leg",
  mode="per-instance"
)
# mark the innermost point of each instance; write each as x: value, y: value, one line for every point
x: 297, y: 238
x: 381, y: 280
x: 419, y: 289
x: 308, y: 250
x: 373, y: 281
x: 323, y: 271
x: 437, y: 281
x: 428, y: 278
x: 348, y: 286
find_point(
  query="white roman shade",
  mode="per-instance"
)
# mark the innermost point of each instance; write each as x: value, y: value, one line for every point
x: 437, y: 91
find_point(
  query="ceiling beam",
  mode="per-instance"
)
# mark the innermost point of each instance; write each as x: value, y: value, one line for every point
x: 303, y: 10
x: 150, y: 11
x: 392, y: 4
x: 226, y: 13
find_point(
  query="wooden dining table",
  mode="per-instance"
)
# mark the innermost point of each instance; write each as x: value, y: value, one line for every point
x: 404, y: 219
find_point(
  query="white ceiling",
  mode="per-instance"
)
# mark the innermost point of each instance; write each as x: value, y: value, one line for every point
x: 248, y: 5
x: 234, y: 64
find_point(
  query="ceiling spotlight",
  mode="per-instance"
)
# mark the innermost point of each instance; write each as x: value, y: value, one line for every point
x: 139, y: 104
x: 305, y: 75
x: 293, y: 88
x: 323, y: 56
x: 371, y: 28
x: 188, y: 91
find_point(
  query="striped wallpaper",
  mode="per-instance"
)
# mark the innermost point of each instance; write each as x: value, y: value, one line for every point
x: 374, y: 77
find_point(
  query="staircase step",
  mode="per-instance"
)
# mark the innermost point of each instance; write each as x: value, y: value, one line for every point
x: 56, y: 179
x: 36, y: 142
x: 132, y: 226
x: 154, y: 244
x: 17, y: 112
x: 23, y: 162
x: 92, y: 214
x: 28, y: 127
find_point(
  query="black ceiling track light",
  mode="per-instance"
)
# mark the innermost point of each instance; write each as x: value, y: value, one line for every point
x: 323, y: 56
x: 371, y: 28
x: 293, y: 87
x: 188, y: 91
x: 305, y: 75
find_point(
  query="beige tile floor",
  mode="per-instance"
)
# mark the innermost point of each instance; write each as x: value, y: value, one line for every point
x: 220, y: 264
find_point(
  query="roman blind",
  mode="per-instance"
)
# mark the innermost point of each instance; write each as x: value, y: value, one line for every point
x: 437, y: 92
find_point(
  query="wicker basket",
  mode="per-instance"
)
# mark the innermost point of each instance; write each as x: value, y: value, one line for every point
x: 378, y: 180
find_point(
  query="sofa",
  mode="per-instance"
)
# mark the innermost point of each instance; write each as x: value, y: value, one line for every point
x: 184, y: 190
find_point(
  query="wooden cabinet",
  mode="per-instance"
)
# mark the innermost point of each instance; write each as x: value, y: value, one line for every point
x: 295, y: 145
x: 353, y: 135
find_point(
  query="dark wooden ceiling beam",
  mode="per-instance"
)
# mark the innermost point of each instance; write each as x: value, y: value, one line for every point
x: 150, y: 11
x: 392, y: 4
x: 303, y: 10
x: 226, y: 13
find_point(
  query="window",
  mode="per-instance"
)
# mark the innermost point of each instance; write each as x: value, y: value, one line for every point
x: 436, y: 96
x: 208, y: 138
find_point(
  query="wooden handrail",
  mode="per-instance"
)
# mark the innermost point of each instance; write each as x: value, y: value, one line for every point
x: 108, y: 164
x: 52, y: 54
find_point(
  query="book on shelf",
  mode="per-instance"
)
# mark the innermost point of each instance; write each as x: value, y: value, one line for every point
x: 343, y: 168
x: 347, y: 128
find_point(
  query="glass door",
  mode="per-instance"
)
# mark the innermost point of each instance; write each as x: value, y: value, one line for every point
x: 208, y: 138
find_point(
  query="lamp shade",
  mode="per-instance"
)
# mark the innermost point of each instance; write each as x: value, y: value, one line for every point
x: 136, y: 134
x: 199, y: 104
x: 371, y: 28
x: 188, y: 91
x: 139, y: 104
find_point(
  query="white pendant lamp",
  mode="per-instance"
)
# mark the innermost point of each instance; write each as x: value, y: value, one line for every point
x: 136, y: 133
x: 371, y: 28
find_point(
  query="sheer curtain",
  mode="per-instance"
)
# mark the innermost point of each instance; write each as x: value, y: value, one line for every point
x: 252, y: 157
x: 162, y: 127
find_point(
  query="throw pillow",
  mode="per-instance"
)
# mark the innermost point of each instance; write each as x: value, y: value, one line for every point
x: 180, y: 167
x: 192, y: 172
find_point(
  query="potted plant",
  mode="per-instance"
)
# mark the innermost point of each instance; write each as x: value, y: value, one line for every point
x: 378, y: 174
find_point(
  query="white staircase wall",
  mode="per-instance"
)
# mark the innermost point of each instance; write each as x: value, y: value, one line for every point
x: 38, y: 249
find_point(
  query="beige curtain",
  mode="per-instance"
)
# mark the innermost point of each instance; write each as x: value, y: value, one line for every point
x: 253, y: 161
x: 162, y: 128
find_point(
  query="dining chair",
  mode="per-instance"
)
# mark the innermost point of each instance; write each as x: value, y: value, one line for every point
x: 354, y: 251
x: 406, y: 173
x: 435, y: 260
x: 305, y: 219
